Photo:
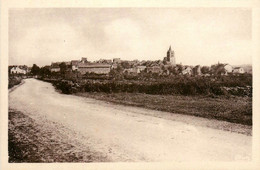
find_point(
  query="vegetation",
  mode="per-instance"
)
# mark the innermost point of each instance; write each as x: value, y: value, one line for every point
x: 14, y: 80
x: 214, y: 95
x: 32, y: 141
x: 233, y: 109
x: 227, y: 98
x: 35, y: 70
x: 160, y: 85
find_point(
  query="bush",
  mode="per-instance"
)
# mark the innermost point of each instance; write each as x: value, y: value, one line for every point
x: 14, y: 80
x: 223, y: 85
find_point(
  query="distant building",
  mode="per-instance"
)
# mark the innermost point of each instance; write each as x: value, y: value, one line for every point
x: 187, y: 70
x: 55, y: 67
x: 74, y: 65
x: 97, y: 68
x: 84, y: 60
x: 139, y: 69
x: 104, y: 61
x: 68, y: 63
x: 170, y: 58
x: 114, y: 66
x: 19, y: 70
x: 228, y: 68
x: 116, y: 60
x: 239, y: 70
x: 154, y: 69
x: 197, y: 70
x: 130, y: 70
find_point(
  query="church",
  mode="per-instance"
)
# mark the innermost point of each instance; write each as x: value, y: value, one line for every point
x: 170, y: 58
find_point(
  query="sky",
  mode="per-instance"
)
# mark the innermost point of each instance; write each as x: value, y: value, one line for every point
x: 201, y: 36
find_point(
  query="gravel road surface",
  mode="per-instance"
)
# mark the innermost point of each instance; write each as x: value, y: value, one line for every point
x: 122, y: 133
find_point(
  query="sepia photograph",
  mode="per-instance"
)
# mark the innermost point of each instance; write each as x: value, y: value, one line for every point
x: 130, y: 84
x: 125, y: 84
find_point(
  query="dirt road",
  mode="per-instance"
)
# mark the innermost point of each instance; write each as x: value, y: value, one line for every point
x: 122, y: 133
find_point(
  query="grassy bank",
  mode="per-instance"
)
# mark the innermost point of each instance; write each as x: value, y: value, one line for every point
x: 29, y: 141
x: 233, y: 109
x: 14, y: 80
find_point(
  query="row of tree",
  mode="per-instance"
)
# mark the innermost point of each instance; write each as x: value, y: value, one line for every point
x: 118, y: 73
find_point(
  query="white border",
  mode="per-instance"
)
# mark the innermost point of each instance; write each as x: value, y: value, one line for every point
x: 7, y: 4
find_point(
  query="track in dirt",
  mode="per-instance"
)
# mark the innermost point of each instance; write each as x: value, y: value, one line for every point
x: 121, y: 133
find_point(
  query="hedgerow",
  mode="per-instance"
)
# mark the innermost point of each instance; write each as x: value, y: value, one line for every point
x: 225, y: 85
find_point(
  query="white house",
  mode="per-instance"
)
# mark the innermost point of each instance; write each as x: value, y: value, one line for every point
x: 17, y: 70
x: 54, y: 67
x: 228, y: 68
x: 187, y: 71
x: 139, y: 69
x: 239, y: 70
x: 74, y: 65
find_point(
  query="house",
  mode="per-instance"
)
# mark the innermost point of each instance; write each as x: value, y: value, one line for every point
x: 228, y: 68
x: 136, y: 69
x: 67, y: 63
x: 74, y: 64
x: 116, y: 60
x: 154, y: 69
x: 239, y: 70
x: 187, y: 70
x: 55, y: 67
x: 18, y: 70
x: 130, y: 70
x: 104, y: 61
x: 197, y: 70
x: 114, y: 66
x: 84, y: 60
x: 97, y: 68
x: 139, y: 69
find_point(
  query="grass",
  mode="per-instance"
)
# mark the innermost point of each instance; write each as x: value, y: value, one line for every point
x: 29, y: 141
x: 14, y: 80
x: 232, y: 109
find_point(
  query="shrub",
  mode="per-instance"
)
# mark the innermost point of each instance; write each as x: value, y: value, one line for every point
x: 222, y: 85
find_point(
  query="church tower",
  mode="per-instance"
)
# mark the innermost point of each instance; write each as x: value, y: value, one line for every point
x: 170, y: 57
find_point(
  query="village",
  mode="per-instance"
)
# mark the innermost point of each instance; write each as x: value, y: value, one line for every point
x: 129, y: 84
x: 166, y: 66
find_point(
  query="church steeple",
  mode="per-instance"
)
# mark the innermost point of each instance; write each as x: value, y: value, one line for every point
x: 170, y: 56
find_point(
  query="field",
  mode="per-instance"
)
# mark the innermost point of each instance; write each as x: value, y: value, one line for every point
x: 227, y: 98
x: 232, y: 109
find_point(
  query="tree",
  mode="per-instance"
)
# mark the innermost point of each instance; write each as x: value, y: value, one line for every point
x: 125, y: 65
x: 173, y: 70
x: 205, y: 70
x: 35, y: 69
x: 63, y: 67
x: 45, y: 71
x: 218, y: 69
x: 179, y: 68
x: 117, y: 73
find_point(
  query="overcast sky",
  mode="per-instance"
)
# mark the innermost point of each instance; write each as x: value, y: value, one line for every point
x: 197, y: 35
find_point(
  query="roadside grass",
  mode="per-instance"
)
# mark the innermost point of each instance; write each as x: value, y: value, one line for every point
x: 29, y: 141
x: 13, y: 80
x: 232, y: 109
